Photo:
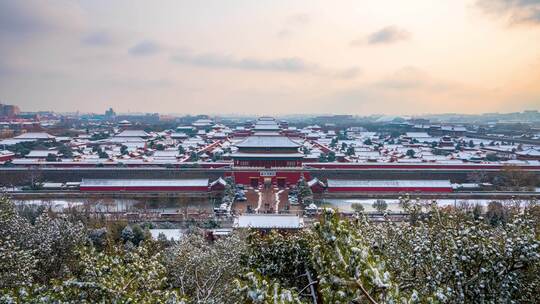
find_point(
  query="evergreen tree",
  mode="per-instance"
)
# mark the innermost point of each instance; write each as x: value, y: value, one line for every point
x: 331, y: 156
x: 304, y: 191
x: 380, y: 205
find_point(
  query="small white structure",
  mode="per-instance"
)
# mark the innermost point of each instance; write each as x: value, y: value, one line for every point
x: 269, y: 221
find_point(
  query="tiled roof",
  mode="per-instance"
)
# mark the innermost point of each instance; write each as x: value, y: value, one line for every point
x: 267, y: 142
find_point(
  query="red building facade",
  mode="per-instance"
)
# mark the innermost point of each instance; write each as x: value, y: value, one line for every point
x: 268, y: 151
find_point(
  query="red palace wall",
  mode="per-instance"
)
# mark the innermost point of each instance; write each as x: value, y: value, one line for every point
x: 415, y: 166
x: 268, y: 163
x: 177, y: 189
x: 245, y: 177
x: 388, y: 189
x: 7, y: 157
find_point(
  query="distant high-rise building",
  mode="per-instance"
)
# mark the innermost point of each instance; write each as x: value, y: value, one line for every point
x: 110, y: 114
x: 9, y: 110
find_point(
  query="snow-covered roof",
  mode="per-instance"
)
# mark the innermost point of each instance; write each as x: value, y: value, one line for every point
x: 454, y: 128
x: 202, y: 182
x: 166, y: 153
x: 13, y: 141
x: 266, y: 155
x: 133, y: 133
x: 388, y: 183
x: 218, y: 181
x: 41, y: 153
x: 529, y: 152
x: 179, y: 135
x: 273, y: 127
x: 35, y: 135
x: 269, y: 221
x: 267, y: 142
x: 417, y: 135
x: 315, y: 181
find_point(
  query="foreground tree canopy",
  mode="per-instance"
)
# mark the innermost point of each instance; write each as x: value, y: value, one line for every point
x: 438, y: 256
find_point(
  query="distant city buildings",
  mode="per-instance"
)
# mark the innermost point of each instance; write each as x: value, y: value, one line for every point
x: 9, y: 111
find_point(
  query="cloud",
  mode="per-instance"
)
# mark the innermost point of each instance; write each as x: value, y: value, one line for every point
x: 144, y: 48
x: 98, y: 38
x: 212, y: 60
x: 298, y: 19
x: 284, y: 33
x: 22, y: 19
x: 293, y: 24
x: 408, y: 90
x: 405, y: 79
x: 516, y: 11
x: 387, y: 35
x: 349, y: 73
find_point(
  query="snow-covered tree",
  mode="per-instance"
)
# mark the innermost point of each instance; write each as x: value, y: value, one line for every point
x: 448, y: 255
x: 347, y: 269
x: 380, y: 205
x: 304, y: 191
x: 117, y: 277
x: 205, y: 271
x: 281, y: 257
x: 255, y: 289
x: 55, y: 242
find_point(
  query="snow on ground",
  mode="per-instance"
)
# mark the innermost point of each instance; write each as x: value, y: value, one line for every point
x: 344, y: 205
x: 170, y: 234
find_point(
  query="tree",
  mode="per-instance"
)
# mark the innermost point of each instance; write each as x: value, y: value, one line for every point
x: 139, y: 235
x: 205, y: 271
x: 357, y: 207
x: 323, y: 158
x: 515, y: 178
x: 99, y: 238
x: 51, y: 157
x: 380, y: 205
x: 65, y: 151
x: 350, y: 151
x: 254, y: 288
x: 193, y: 156
x: 450, y: 257
x: 333, y: 142
x: 124, y: 150
x: 410, y: 153
x: 102, y: 154
x: 17, y: 261
x: 347, y: 269
x: 229, y: 192
x: 331, y: 156
x: 127, y: 234
x: 181, y: 149
x: 118, y: 277
x: 471, y: 143
x: 478, y: 211
x: 278, y: 256
x: 304, y: 191
x: 342, y: 135
x: 477, y: 177
x: 492, y: 157
x: 496, y: 214
x: 368, y: 142
x: 55, y: 242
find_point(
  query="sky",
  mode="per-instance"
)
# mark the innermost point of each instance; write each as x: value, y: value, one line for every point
x: 271, y: 57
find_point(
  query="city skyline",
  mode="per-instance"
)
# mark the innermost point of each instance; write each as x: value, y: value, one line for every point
x: 271, y: 57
